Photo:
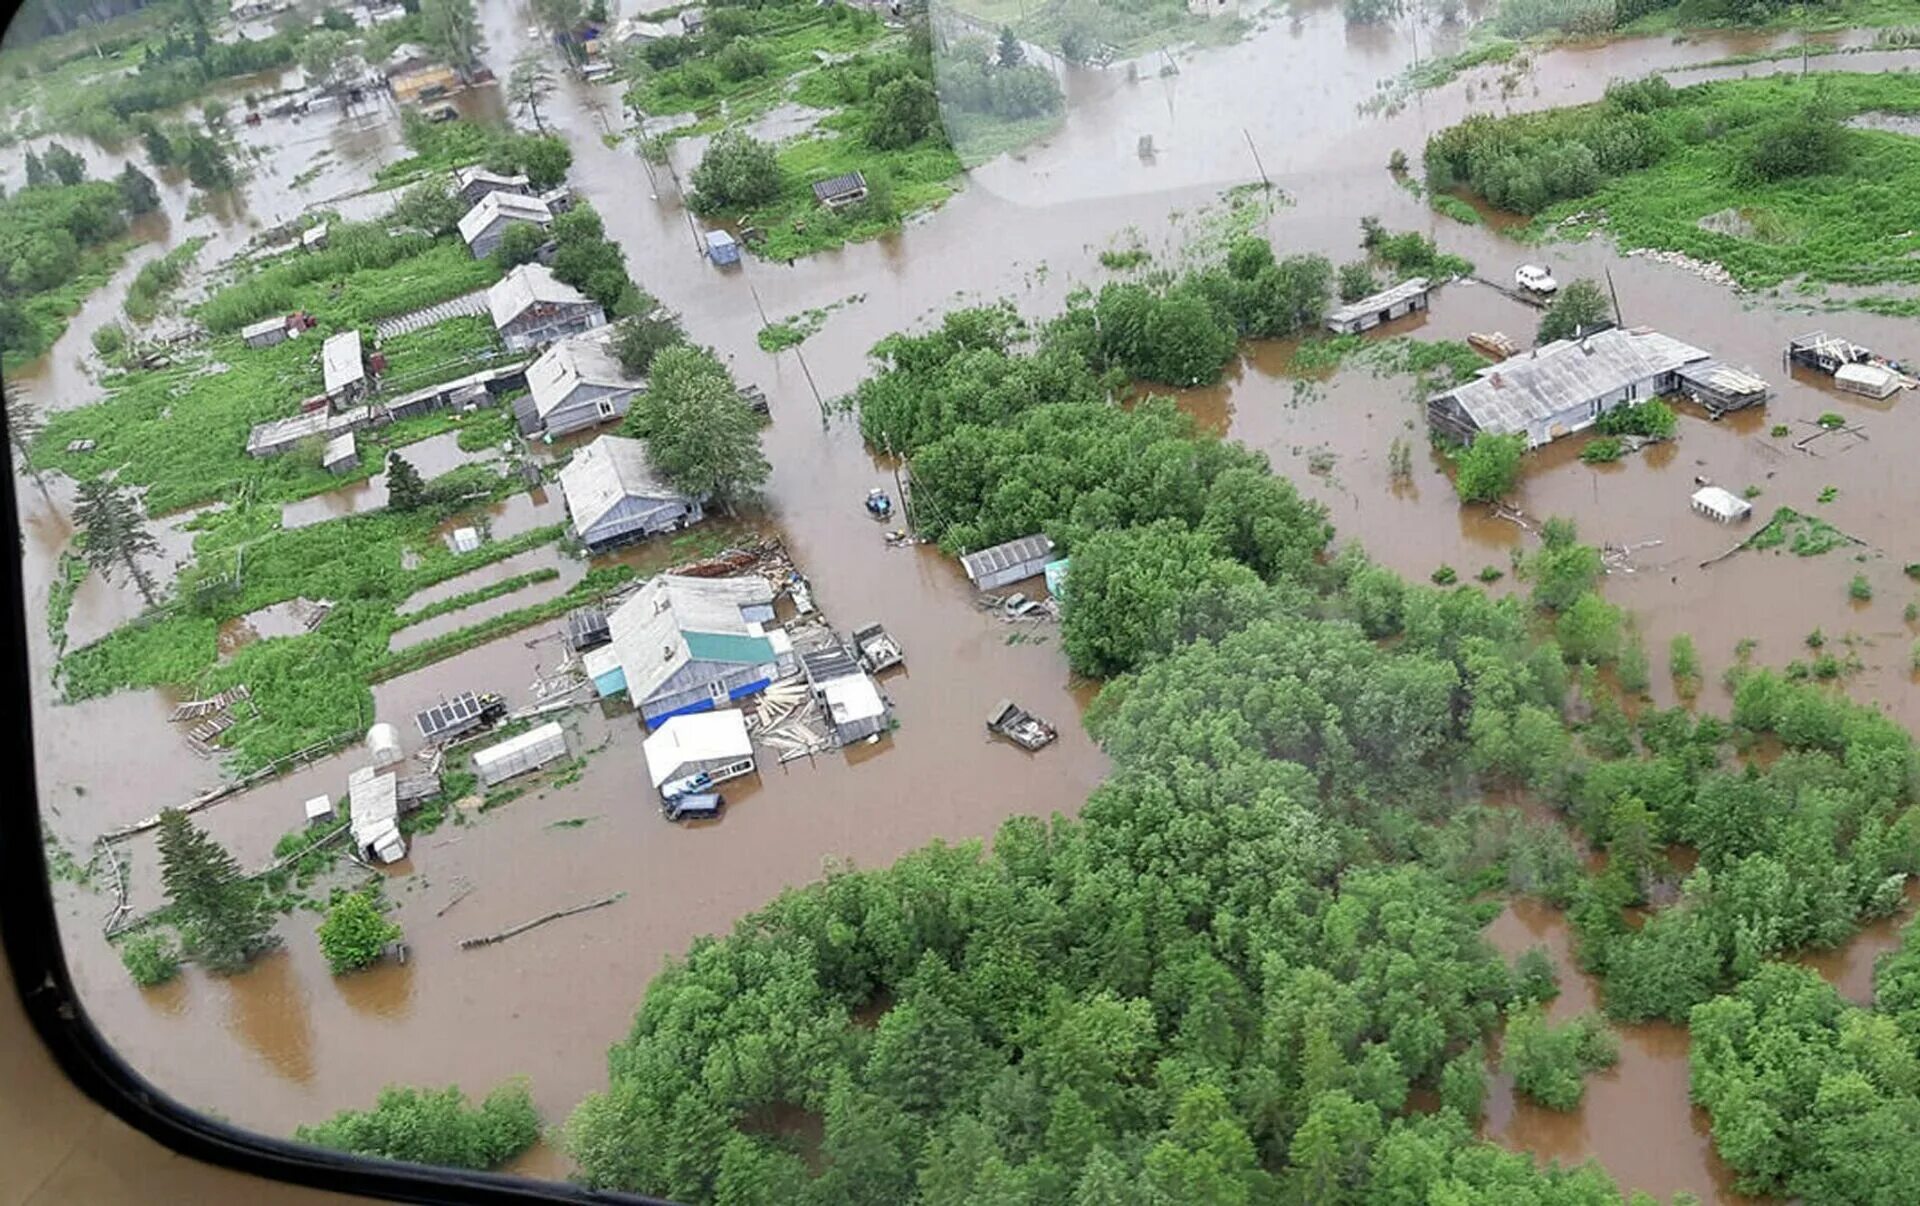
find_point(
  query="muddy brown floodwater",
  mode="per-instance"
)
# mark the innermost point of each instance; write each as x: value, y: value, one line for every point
x: 287, y: 1043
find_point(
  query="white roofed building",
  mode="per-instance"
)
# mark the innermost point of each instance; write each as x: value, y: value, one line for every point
x: 344, y: 368
x: 531, y: 307
x: 474, y: 182
x: 614, y: 497
x: 713, y: 742
x: 577, y: 383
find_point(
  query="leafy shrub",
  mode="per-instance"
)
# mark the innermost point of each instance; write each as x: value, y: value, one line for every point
x: 1489, y: 468
x: 429, y: 1126
x: 151, y: 958
x: 1602, y: 450
x: 1860, y: 589
x: 355, y: 932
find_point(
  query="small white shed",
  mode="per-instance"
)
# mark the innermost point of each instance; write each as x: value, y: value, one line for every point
x: 518, y: 755
x: 1721, y: 505
x: 1872, y: 380
x: 383, y: 744
x: 319, y: 811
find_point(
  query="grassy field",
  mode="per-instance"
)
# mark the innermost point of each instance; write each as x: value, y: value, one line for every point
x: 1856, y: 224
x: 791, y: 36
x: 1838, y: 14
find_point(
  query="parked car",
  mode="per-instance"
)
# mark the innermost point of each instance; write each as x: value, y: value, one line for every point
x: 1535, y: 279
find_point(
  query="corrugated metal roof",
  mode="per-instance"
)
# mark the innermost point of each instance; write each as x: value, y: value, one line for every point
x: 1001, y: 556
x: 569, y: 364
x: 263, y: 327
x: 695, y: 737
x: 340, y: 363
x: 605, y: 473
x: 1384, y: 300
x: 1717, y: 376
x: 494, y: 205
x: 527, y: 286
x: 650, y: 630
x: 479, y: 174
x: 1512, y: 395
x: 1721, y: 502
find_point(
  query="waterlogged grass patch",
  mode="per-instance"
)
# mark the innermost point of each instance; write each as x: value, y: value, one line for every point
x: 1805, y: 535
x: 792, y: 332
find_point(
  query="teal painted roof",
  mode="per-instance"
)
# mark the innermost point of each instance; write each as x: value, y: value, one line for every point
x: 722, y: 647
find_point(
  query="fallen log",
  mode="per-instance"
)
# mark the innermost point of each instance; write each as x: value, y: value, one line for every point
x: 467, y: 944
x: 459, y: 896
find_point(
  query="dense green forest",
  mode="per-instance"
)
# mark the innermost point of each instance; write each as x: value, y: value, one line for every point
x: 59, y: 239
x: 1223, y: 981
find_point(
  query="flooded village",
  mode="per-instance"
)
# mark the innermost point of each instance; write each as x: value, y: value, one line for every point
x: 610, y: 715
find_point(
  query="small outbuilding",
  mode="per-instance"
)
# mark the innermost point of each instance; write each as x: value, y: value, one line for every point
x: 1005, y: 564
x: 855, y: 708
x: 319, y: 811
x: 374, y: 810
x: 614, y: 497
x: 474, y: 182
x: 1868, y: 380
x: 1720, y: 505
x: 266, y: 332
x: 711, y: 743
x: 341, y: 455
x: 578, y: 383
x: 483, y: 226
x: 344, y: 368
x: 587, y: 629
x: 530, y: 306
x: 414, y: 75
x: 1385, y: 306
x: 843, y: 190
x: 722, y: 248
x: 1720, y: 388
x: 529, y: 751
x: 314, y: 238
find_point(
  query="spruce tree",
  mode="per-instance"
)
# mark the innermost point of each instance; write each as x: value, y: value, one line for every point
x: 137, y: 191
x: 117, y: 537
x: 1011, y: 53
x: 23, y: 428
x: 223, y: 918
x: 405, y: 490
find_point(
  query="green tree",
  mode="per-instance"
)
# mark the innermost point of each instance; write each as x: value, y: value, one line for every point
x: 1683, y: 663
x: 639, y: 338
x: 1172, y: 338
x: 520, y: 244
x: 701, y: 436
x: 737, y: 171
x: 1579, y: 306
x: 1589, y: 631
x: 1009, y: 53
x: 355, y: 932
x: 1562, y: 569
x: 224, y: 919
x: 150, y: 958
x: 63, y: 165
x: 905, y: 110
x: 432, y: 206
x: 1550, y: 1064
x: 451, y: 28
x: 1357, y: 281
x: 116, y: 533
x: 542, y: 158
x: 1533, y: 980
x: 137, y: 191
x: 206, y: 162
x: 1463, y: 1083
x: 324, y: 54
x: 1330, y: 1151
x: 24, y: 426
x: 1808, y: 141
x: 406, y: 491
x: 1488, y: 469
x: 1132, y: 589
x: 529, y: 85
x: 434, y: 1126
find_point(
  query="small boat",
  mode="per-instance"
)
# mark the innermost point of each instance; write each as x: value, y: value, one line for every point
x: 876, y: 648
x: 1492, y: 343
x: 878, y: 504
x: 1020, y: 726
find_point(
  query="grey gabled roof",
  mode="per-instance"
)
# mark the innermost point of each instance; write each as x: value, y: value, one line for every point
x: 604, y: 474
x: 1001, y: 556
x: 527, y: 286
x: 1386, y: 299
x: 650, y: 629
x: 570, y: 363
x: 1559, y: 376
x: 475, y: 221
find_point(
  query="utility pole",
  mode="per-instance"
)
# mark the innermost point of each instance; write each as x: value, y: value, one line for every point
x: 1266, y: 183
x: 1615, y: 294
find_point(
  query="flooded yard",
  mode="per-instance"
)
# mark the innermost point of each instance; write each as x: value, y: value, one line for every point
x: 430, y: 457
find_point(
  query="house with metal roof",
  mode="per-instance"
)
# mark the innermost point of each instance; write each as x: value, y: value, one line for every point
x: 1385, y: 306
x: 614, y: 497
x: 854, y: 706
x: 344, y: 368
x: 373, y: 808
x: 474, y: 182
x: 836, y: 191
x: 684, y: 645
x: 577, y: 383
x: 1005, y: 564
x: 266, y: 332
x: 1562, y: 387
x: 486, y: 223
x: 531, y: 306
